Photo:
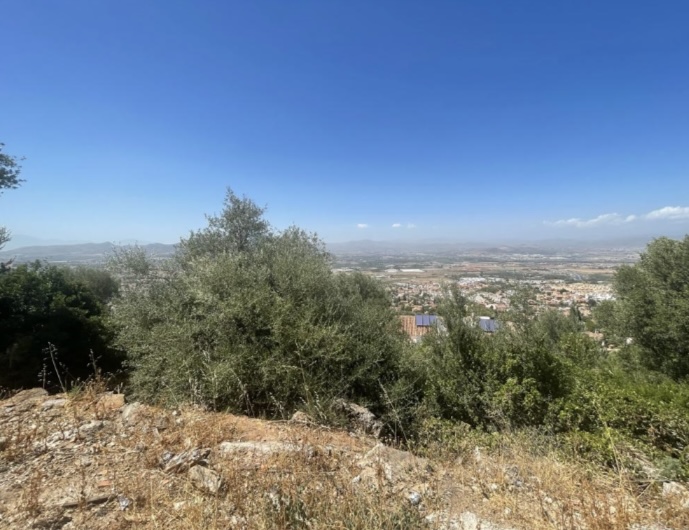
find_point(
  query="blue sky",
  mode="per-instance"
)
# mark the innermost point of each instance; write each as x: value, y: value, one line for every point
x: 451, y: 119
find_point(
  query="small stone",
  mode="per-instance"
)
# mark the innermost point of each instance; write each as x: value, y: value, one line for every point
x: 205, y: 479
x: 414, y: 498
x: 90, y: 427
x: 257, y: 448
x: 27, y: 395
x: 677, y: 491
x: 131, y: 413
x: 185, y: 460
x: 124, y: 502
x: 362, y: 419
x: 477, y: 455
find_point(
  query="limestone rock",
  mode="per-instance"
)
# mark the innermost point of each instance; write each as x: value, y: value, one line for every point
x: 264, y: 448
x: 185, y: 460
x: 53, y: 403
x: 393, y: 466
x: 302, y: 417
x: 132, y: 413
x: 205, y: 479
x: 463, y: 521
x: 25, y: 400
x: 362, y: 419
x: 91, y: 427
x: 677, y: 491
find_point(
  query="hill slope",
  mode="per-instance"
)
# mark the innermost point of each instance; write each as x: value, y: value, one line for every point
x: 92, y: 461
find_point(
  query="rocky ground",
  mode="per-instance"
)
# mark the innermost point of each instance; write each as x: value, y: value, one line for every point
x: 93, y: 461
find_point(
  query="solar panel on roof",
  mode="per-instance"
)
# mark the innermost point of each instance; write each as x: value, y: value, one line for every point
x: 489, y: 325
x: 425, y: 320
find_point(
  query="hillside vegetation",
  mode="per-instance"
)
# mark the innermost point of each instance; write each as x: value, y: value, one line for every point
x: 251, y: 320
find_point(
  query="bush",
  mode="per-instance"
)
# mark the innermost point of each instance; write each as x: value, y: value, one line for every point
x: 505, y: 380
x: 642, y: 410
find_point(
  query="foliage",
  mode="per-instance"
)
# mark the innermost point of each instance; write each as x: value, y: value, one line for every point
x: 9, y: 171
x: 607, y: 318
x: 239, y: 228
x: 9, y: 179
x: 253, y: 320
x: 654, y: 305
x: 500, y: 381
x: 611, y: 405
x: 42, y: 305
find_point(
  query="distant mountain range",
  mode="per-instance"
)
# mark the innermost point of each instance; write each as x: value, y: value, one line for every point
x: 547, y: 246
x: 85, y: 253
x: 95, y: 253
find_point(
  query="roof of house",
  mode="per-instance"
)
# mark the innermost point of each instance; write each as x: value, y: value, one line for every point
x: 410, y: 326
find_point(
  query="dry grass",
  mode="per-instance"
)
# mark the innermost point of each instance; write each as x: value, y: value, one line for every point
x: 61, y: 468
x: 527, y: 483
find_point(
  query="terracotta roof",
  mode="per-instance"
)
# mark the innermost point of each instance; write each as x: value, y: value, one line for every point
x: 410, y: 328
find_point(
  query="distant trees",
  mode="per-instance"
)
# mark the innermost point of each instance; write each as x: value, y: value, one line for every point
x: 653, y: 305
x: 9, y: 179
x: 253, y: 320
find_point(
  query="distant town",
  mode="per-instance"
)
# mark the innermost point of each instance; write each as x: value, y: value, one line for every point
x: 553, y: 276
x: 550, y: 278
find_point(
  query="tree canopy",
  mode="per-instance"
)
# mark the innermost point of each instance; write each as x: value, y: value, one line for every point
x: 9, y: 171
x: 9, y: 179
x: 42, y: 305
x: 654, y: 305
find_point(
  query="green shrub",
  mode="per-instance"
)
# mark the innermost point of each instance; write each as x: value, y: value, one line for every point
x: 498, y: 381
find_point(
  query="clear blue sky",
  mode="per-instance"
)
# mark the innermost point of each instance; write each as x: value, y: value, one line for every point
x: 452, y: 119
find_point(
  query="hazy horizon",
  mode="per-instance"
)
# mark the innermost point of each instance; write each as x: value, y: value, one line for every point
x: 386, y: 121
x: 22, y: 241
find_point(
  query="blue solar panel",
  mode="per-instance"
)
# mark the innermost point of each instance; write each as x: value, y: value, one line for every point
x: 425, y: 320
x: 489, y: 325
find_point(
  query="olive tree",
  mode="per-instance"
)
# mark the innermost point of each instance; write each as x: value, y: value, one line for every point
x: 253, y: 320
x: 653, y: 297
